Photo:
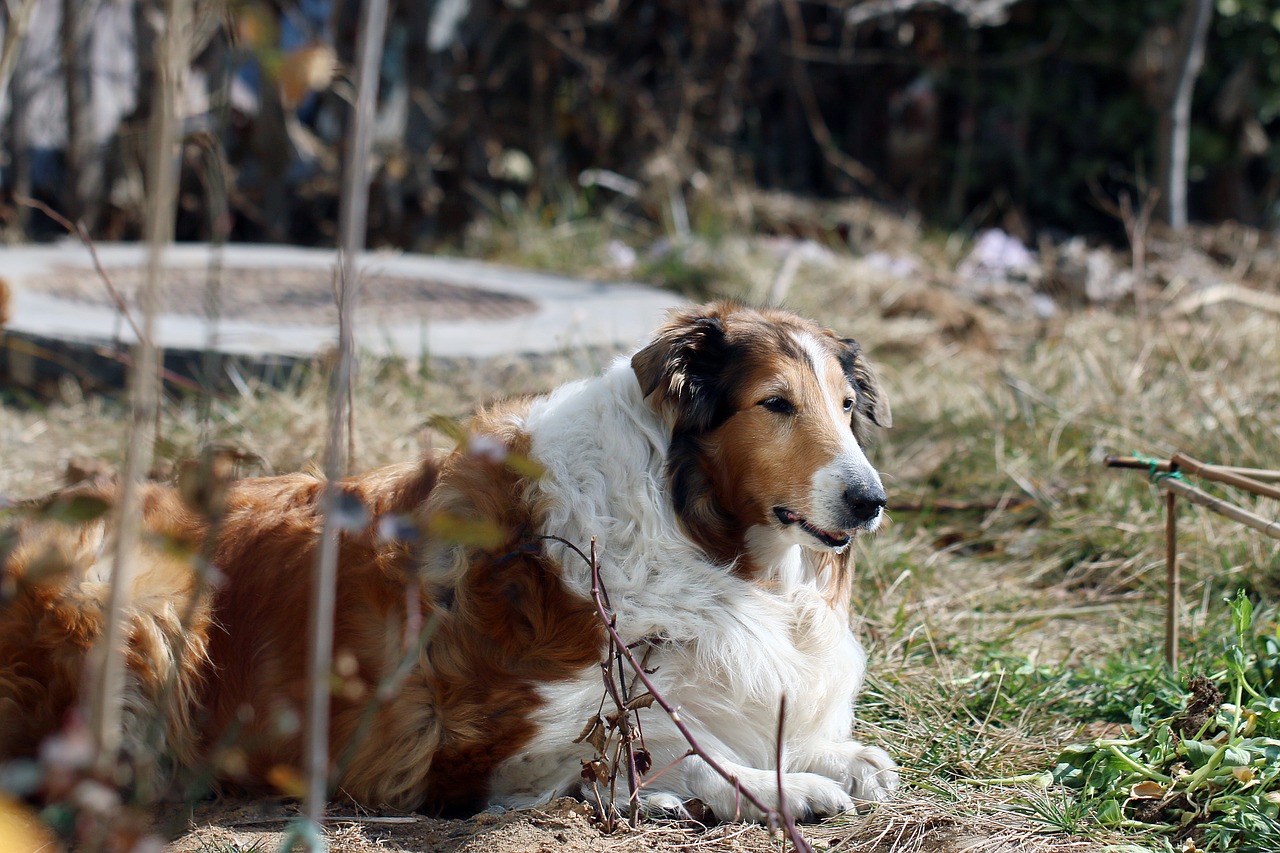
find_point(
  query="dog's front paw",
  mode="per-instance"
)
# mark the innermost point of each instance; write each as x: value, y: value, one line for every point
x: 811, y: 797
x: 866, y: 772
x: 808, y: 795
x: 872, y: 774
x: 664, y: 806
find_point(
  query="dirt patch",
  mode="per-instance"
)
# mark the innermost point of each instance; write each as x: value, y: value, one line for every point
x: 291, y: 296
x: 910, y: 824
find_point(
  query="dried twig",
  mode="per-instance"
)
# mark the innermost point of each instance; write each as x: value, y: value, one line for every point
x: 813, y: 111
x: 950, y: 505
x: 1136, y: 224
x: 608, y: 619
x: 1173, y: 580
x: 107, y: 696
x: 353, y: 216
x: 77, y: 228
x: 788, y: 820
x: 1218, y: 293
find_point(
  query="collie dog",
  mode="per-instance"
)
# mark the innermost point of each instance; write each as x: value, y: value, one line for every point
x: 720, y: 470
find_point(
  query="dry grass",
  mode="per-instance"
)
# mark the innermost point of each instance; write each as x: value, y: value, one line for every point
x: 995, y: 633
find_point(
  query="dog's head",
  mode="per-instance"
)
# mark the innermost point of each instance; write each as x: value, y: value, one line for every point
x: 768, y: 415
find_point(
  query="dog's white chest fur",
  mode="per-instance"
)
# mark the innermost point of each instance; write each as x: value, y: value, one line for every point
x: 724, y: 650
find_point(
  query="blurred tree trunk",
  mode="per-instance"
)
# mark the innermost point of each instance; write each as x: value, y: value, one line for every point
x: 1173, y: 140
x: 83, y: 172
x: 16, y: 18
x: 19, y: 158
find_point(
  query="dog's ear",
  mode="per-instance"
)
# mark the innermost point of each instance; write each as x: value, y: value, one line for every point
x: 872, y: 402
x: 681, y: 371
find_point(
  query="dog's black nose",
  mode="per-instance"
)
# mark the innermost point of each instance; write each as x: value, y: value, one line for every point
x: 864, y: 502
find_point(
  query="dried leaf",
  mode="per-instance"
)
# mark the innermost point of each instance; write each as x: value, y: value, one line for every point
x: 1147, y: 791
x: 1243, y: 774
x: 596, y: 770
x: 476, y: 532
x: 77, y: 509
x: 287, y: 780
x: 450, y: 428
x: 644, y: 761
x: 525, y: 466
x: 203, y: 482
x: 48, y: 565
x: 644, y: 700
x: 594, y: 733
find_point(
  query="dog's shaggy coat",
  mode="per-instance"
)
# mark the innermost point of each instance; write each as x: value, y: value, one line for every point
x: 720, y: 470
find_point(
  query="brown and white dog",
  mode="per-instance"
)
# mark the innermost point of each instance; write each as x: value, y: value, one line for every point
x: 720, y: 469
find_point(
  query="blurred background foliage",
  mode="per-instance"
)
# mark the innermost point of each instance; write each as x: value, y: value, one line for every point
x: 1023, y: 114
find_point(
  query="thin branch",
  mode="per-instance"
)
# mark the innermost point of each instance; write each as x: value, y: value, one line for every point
x: 77, y: 228
x: 1173, y: 581
x: 813, y: 111
x: 353, y: 216
x: 598, y: 595
x: 108, y: 694
x: 788, y: 820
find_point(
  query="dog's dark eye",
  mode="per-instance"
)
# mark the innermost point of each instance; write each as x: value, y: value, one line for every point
x: 848, y: 404
x: 781, y: 405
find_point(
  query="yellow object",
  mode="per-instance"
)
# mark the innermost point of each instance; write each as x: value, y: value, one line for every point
x: 22, y: 832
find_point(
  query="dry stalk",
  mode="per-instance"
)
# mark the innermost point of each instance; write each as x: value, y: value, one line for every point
x: 353, y: 216
x: 798, y: 841
x: 1173, y: 580
x: 776, y: 817
x: 106, y: 697
x: 601, y: 729
x: 1215, y: 294
x: 1136, y: 224
x: 77, y: 228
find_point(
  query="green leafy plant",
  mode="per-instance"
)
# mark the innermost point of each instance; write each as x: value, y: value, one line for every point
x: 1209, y: 773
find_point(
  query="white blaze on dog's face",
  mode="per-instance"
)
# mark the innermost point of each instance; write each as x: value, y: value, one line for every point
x: 766, y: 409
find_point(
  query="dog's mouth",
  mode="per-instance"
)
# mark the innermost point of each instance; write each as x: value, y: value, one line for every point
x: 836, y: 539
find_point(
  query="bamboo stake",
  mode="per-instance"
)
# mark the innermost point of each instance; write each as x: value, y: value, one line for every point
x: 1191, y: 493
x: 1164, y: 466
x: 106, y: 696
x: 353, y: 215
x: 1173, y: 579
x: 1219, y: 475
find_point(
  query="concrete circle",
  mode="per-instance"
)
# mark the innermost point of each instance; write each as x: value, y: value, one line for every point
x: 418, y: 305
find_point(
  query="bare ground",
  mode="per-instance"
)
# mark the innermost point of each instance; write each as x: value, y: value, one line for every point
x: 912, y: 824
